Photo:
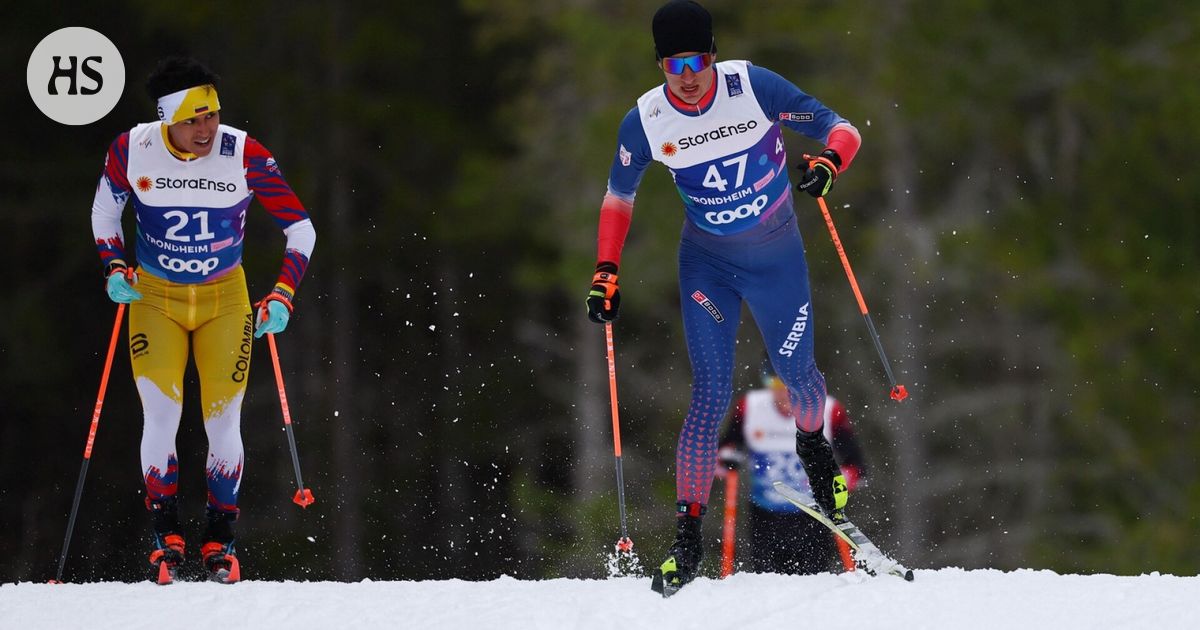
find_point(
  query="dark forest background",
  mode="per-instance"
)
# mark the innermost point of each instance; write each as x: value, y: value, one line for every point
x: 1023, y: 220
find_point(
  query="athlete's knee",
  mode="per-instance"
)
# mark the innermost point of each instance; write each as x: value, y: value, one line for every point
x: 796, y: 373
x: 224, y: 436
x: 161, y: 418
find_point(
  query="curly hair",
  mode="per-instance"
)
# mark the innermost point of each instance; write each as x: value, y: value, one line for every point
x: 173, y: 74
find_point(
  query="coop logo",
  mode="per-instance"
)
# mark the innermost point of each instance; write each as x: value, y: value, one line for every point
x: 703, y: 300
x: 202, y: 267
x: 752, y: 209
x: 796, y: 333
x: 171, y: 183
x: 75, y: 75
x: 724, y: 131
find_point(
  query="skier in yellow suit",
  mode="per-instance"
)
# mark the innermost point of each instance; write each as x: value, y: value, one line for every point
x: 191, y: 180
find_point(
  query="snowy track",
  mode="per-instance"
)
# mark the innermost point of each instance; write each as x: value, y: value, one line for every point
x: 946, y: 598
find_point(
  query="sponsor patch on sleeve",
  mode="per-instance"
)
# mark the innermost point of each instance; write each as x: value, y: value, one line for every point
x: 626, y: 156
x: 796, y: 116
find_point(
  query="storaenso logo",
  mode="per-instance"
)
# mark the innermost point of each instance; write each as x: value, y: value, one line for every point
x: 752, y: 209
x: 202, y: 267
x: 723, y: 131
x: 75, y: 75
x: 194, y: 184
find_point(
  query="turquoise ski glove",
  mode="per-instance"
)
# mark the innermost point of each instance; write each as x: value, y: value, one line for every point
x: 274, y: 311
x: 119, y: 284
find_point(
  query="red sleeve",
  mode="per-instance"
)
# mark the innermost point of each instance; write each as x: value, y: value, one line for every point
x: 265, y: 179
x: 116, y: 164
x: 846, y: 448
x: 845, y: 140
x: 277, y: 197
x: 852, y: 475
x: 839, y: 420
x: 615, y: 216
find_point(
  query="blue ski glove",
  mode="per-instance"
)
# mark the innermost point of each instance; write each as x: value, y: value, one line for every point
x: 119, y: 284
x: 273, y: 313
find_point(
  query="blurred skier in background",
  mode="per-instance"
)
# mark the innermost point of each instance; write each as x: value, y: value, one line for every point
x: 191, y: 180
x: 760, y: 438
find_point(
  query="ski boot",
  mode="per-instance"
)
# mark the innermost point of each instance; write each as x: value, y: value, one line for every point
x: 169, y: 545
x: 218, y: 551
x: 831, y: 493
x: 683, y: 559
x: 828, y: 486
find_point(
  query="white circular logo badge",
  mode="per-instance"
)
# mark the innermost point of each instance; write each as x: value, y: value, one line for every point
x: 75, y: 75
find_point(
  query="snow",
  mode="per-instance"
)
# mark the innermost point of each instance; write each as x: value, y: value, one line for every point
x: 944, y: 598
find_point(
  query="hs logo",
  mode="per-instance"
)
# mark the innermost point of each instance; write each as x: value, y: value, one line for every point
x: 69, y: 72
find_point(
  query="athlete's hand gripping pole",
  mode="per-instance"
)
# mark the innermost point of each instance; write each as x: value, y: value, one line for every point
x: 898, y: 391
x: 91, y: 440
x: 625, y: 544
x: 304, y: 496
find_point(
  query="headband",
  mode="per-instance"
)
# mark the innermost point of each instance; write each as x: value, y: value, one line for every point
x: 184, y: 104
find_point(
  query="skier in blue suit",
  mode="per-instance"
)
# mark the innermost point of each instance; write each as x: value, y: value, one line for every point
x: 716, y: 126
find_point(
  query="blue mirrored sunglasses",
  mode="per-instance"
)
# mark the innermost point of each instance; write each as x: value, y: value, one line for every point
x: 675, y: 65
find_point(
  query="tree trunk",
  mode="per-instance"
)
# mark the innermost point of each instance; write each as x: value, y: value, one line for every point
x: 347, y: 452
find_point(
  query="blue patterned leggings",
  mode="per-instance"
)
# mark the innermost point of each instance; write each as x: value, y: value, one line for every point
x: 716, y: 274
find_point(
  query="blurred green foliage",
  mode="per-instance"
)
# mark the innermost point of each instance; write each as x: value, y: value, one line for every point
x: 1022, y: 218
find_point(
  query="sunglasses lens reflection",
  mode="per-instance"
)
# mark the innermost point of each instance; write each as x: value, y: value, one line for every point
x: 676, y: 65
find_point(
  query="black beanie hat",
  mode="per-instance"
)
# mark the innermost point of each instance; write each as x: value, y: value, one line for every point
x: 682, y: 26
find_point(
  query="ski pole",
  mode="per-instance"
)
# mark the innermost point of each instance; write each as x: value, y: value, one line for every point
x: 844, y: 552
x: 624, y: 544
x: 304, y: 496
x: 898, y: 391
x: 91, y: 440
x: 729, y: 527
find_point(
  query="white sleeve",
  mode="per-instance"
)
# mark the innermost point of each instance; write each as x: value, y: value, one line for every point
x: 107, y: 207
x: 301, y: 236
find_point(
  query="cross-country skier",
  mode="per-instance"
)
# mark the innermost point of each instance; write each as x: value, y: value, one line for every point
x: 761, y: 439
x: 191, y: 180
x: 717, y: 129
